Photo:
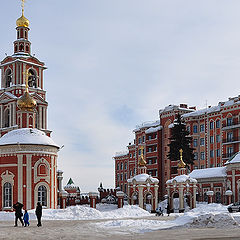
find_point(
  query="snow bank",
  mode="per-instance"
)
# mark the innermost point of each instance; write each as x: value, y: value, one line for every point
x: 205, y: 215
x: 82, y: 212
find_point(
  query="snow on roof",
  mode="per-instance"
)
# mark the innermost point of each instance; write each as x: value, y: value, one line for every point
x: 172, y: 107
x: 26, y: 136
x: 153, y: 129
x: 209, y: 172
x: 234, y: 159
x: 202, y: 111
x: 121, y: 154
x: 143, y: 178
x: 147, y: 125
x: 182, y: 178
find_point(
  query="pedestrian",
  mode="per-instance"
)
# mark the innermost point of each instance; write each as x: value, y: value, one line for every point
x: 26, y: 219
x: 39, y: 213
x: 168, y: 209
x: 18, y: 213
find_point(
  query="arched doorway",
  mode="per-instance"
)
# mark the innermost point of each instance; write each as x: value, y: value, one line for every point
x: 42, y: 195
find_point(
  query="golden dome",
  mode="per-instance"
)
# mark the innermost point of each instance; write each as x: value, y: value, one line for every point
x: 26, y: 102
x: 22, y: 22
x: 142, y: 162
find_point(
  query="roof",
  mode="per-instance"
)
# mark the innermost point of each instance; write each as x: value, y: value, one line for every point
x: 172, y: 107
x: 234, y: 159
x: 209, y: 173
x: 31, y: 136
x: 153, y: 129
x: 147, y: 125
x: 143, y: 178
x: 182, y: 178
x: 202, y: 111
x: 121, y: 154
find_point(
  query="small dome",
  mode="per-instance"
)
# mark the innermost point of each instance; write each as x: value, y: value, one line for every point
x: 31, y: 136
x: 26, y: 102
x: 22, y: 22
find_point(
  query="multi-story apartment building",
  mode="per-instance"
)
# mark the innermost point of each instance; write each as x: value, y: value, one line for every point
x: 216, y: 137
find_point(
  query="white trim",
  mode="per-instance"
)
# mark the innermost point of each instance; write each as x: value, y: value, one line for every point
x: 52, y: 182
x: 20, y: 178
x: 7, y: 176
x: 8, y: 165
x: 45, y: 177
x: 36, y: 193
x: 29, y: 181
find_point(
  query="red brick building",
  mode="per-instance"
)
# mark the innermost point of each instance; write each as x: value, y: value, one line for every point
x: 215, y: 133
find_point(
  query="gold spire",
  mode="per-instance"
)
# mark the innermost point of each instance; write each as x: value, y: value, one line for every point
x: 22, y: 21
x: 26, y: 102
x: 181, y: 164
x: 142, y: 162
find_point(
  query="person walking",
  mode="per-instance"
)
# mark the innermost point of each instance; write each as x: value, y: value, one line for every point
x: 39, y: 214
x: 26, y: 219
x: 18, y: 213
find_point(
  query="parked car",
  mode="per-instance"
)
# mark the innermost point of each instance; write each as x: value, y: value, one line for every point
x: 234, y: 207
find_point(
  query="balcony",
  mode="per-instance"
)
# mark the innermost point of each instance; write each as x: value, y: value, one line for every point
x: 231, y: 125
x: 228, y: 155
x: 231, y: 140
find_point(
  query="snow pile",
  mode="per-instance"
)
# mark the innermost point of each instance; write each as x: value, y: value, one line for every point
x: 205, y: 215
x: 84, y: 212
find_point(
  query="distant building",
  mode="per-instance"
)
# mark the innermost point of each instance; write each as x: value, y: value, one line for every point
x: 216, y: 138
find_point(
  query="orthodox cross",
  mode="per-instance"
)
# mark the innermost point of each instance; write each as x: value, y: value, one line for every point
x: 23, y: 2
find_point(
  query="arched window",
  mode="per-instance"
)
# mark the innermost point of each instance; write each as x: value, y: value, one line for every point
x: 21, y: 47
x: 27, y: 48
x: 205, y: 197
x: 32, y: 79
x: 42, y: 195
x: 218, y: 197
x: 6, y: 118
x: 7, y: 195
x: 8, y: 78
x: 16, y: 48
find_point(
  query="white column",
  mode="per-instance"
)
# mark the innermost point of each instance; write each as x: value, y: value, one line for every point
x: 44, y: 118
x: 233, y: 185
x: 14, y: 75
x: 20, y: 178
x: 39, y: 78
x: 40, y: 117
x: 52, y: 182
x: 181, y: 198
x: 194, y: 195
x: 10, y: 114
x: 14, y: 114
x: 29, y: 181
x: 156, y: 196
x: 140, y: 196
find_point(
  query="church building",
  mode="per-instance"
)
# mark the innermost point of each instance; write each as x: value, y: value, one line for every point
x: 28, y: 155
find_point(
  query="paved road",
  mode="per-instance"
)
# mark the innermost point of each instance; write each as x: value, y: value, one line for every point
x: 87, y: 230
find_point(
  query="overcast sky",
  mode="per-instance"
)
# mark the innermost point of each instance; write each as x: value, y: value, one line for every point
x: 113, y: 64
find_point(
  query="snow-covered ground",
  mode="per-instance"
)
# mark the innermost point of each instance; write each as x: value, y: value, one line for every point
x: 119, y: 220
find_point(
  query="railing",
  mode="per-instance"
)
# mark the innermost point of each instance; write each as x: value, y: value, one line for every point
x: 230, y: 140
x: 228, y: 155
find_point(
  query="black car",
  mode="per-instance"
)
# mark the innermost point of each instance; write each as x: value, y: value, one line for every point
x: 234, y: 207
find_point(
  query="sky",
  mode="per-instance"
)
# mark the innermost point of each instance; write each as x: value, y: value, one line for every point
x: 113, y: 64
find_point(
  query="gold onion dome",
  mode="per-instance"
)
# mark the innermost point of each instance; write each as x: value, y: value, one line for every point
x: 26, y: 102
x: 22, y: 22
x: 142, y: 162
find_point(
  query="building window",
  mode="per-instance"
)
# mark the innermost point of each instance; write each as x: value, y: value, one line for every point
x: 229, y: 121
x: 217, y: 138
x: 195, y: 156
x: 211, y: 153
x: 211, y: 139
x: 125, y: 176
x: 211, y: 125
x: 201, y: 141
x: 202, y: 156
x: 139, y: 140
x: 195, y: 129
x: 218, y: 152
x: 230, y: 136
x: 121, y: 177
x: 229, y: 151
x: 202, y: 128
x: 125, y: 166
x: 218, y: 124
x: 139, y: 152
x: 42, y: 195
x: 149, y: 137
x: 143, y: 139
x: 121, y: 166
x: 195, y: 142
x: 118, y: 166
x: 8, y: 77
x: 149, y: 149
x: 7, y: 195
x: 188, y: 129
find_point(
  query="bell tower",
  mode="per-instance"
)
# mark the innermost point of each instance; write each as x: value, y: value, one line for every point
x: 21, y: 77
